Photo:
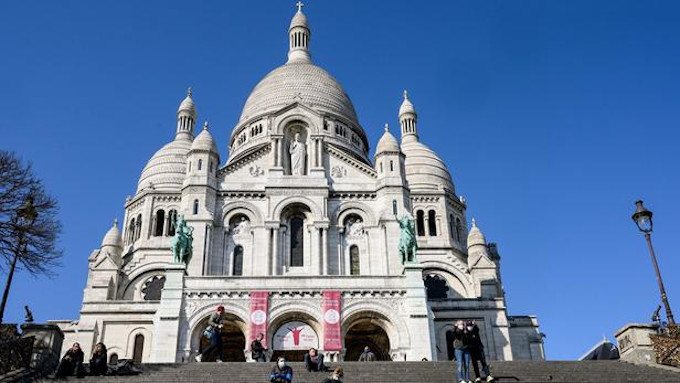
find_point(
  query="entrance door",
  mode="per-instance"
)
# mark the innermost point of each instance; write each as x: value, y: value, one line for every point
x: 292, y: 340
x: 367, y: 334
x: 233, y: 344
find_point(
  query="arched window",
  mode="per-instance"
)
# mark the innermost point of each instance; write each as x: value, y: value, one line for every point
x: 139, y: 349
x: 131, y: 231
x: 459, y: 230
x: 172, y: 221
x: 189, y: 165
x: 354, y: 261
x: 394, y: 207
x: 153, y: 287
x: 160, y: 221
x: 391, y: 165
x: 296, y: 242
x: 113, y: 359
x: 452, y: 227
x: 432, y: 223
x: 139, y: 227
x: 420, y: 223
x: 381, y: 166
x: 200, y: 164
x: 238, y: 260
x: 195, y: 206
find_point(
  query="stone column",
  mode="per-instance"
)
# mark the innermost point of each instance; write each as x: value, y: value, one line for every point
x: 166, y: 321
x: 324, y: 251
x: 419, y: 319
x: 275, y: 251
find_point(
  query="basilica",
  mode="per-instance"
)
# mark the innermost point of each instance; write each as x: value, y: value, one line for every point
x: 297, y: 234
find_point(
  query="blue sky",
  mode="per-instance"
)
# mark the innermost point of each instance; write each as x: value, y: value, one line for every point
x: 553, y: 116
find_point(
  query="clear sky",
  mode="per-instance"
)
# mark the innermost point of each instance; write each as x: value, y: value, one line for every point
x: 553, y: 116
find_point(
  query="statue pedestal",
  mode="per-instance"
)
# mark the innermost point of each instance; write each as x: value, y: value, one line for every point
x: 166, y: 321
x: 47, y: 343
x: 420, y: 319
x: 634, y: 341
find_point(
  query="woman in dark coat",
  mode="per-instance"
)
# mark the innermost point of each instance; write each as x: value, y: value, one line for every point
x: 72, y: 362
x: 99, y: 360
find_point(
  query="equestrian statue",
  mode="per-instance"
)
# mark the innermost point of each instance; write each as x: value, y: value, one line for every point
x: 407, y: 240
x: 181, y: 242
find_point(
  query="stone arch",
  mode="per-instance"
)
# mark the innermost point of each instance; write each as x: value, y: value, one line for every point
x: 354, y: 207
x: 242, y: 207
x: 197, y: 320
x: 132, y: 290
x: 294, y: 312
x: 396, y: 329
x: 146, y: 350
x: 455, y: 279
x: 296, y: 114
x: 313, y: 207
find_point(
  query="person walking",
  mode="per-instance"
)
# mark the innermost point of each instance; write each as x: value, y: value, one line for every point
x: 477, y: 352
x: 461, y: 346
x: 257, y: 350
x: 99, y: 360
x: 313, y: 361
x: 282, y: 372
x: 213, y: 332
x: 71, y: 363
x: 367, y: 355
x: 336, y: 376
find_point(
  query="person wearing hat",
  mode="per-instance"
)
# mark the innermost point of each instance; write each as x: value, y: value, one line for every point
x: 212, y: 331
x: 477, y: 352
x: 336, y: 376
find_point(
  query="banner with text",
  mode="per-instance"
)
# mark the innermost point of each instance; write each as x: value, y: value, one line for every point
x: 259, y: 309
x: 331, y: 320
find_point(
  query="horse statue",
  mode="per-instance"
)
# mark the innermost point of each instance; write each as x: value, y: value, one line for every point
x: 181, y: 242
x: 407, y: 240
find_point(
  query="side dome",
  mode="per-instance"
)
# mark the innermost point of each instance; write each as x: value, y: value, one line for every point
x: 424, y: 168
x: 387, y: 143
x: 204, y: 141
x: 475, y: 236
x: 303, y: 82
x: 113, y: 236
x: 167, y: 168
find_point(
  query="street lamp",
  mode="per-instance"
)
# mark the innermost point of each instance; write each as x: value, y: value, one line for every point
x: 643, y: 220
x: 23, y: 220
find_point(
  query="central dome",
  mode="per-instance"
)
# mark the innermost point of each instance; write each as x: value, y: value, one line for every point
x: 303, y: 82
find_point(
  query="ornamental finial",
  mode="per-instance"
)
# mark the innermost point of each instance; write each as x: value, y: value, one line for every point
x: 474, y: 223
x: 387, y: 127
x: 115, y: 223
x: 205, y: 125
x: 405, y: 94
x: 189, y: 92
x: 299, y: 5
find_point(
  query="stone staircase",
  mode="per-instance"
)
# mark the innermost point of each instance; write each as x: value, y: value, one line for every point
x: 406, y: 372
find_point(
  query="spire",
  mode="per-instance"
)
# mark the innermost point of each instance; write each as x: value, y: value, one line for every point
x: 408, y: 118
x: 186, y: 117
x: 298, y: 36
x: 205, y: 125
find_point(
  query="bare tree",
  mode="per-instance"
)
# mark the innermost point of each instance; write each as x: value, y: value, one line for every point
x: 39, y: 253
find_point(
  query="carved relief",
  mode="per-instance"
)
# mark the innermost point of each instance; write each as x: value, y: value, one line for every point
x: 338, y: 171
x: 256, y: 171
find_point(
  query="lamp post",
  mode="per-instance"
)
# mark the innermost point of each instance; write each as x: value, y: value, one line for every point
x: 23, y: 220
x: 643, y: 220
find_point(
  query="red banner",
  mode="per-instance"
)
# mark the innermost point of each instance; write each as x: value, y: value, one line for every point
x: 331, y: 320
x: 259, y: 312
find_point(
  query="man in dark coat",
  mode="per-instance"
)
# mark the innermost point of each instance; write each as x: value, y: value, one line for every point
x: 477, y: 352
x: 214, y: 329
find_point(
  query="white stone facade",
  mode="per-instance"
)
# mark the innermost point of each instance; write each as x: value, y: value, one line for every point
x: 333, y: 226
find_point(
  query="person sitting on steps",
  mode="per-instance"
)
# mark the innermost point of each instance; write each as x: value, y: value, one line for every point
x: 314, y: 361
x: 257, y: 350
x: 212, y: 331
x: 72, y: 362
x: 281, y: 373
x: 99, y: 360
x: 336, y: 376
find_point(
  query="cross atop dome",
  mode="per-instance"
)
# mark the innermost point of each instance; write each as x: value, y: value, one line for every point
x: 189, y: 92
x: 387, y: 127
x: 205, y: 125
x: 405, y: 94
x: 299, y: 5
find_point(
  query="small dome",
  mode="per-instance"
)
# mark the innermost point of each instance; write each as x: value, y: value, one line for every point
x: 406, y: 106
x: 167, y: 168
x: 113, y: 237
x: 424, y: 168
x: 299, y: 20
x: 475, y: 236
x: 387, y: 142
x: 187, y: 104
x: 204, y: 141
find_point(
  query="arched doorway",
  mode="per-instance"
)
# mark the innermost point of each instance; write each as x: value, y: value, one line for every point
x: 293, y: 339
x: 366, y: 332
x: 233, y: 340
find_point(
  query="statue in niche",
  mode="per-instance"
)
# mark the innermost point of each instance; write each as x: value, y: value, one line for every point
x: 355, y: 228
x: 243, y: 227
x: 297, y: 156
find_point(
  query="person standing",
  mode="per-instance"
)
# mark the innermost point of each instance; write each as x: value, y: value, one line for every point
x: 336, y: 376
x: 461, y: 346
x: 257, y: 350
x: 71, y: 363
x: 99, y: 360
x: 313, y: 361
x: 213, y: 331
x: 477, y: 352
x: 281, y: 373
x: 367, y: 355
